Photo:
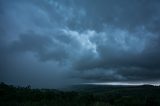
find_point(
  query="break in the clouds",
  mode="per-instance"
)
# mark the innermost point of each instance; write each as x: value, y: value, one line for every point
x: 53, y: 43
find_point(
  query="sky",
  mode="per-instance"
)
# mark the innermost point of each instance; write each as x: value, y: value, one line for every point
x: 55, y: 43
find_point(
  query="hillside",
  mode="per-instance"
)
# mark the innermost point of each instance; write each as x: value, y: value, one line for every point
x: 88, y: 95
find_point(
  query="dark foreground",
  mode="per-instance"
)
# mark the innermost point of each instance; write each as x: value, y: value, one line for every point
x: 88, y: 95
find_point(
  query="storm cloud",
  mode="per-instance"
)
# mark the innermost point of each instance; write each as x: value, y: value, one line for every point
x: 54, y: 43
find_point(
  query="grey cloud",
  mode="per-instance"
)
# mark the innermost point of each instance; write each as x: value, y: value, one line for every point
x: 45, y: 47
x: 116, y: 49
x: 124, y: 14
x: 79, y: 41
x: 140, y: 52
x: 101, y: 75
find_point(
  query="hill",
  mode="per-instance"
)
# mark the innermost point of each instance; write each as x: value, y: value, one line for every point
x: 81, y: 95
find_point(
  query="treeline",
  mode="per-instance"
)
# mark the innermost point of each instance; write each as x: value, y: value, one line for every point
x: 25, y: 96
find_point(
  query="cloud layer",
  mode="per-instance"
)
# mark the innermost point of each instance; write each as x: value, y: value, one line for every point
x: 53, y: 43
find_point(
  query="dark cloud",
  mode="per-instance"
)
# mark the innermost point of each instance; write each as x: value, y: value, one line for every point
x: 43, y: 46
x: 124, y: 14
x: 54, y: 43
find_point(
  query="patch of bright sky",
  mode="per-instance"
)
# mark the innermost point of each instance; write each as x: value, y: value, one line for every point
x: 125, y: 83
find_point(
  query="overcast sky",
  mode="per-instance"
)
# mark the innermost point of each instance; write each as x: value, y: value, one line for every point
x: 54, y: 43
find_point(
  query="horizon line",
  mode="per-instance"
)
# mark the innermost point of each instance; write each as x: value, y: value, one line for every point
x: 122, y: 83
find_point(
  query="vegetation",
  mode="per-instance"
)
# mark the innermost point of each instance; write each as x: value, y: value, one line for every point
x: 81, y: 96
